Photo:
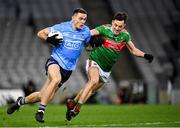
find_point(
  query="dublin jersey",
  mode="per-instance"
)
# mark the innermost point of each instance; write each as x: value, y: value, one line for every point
x: 68, y: 52
x: 107, y: 54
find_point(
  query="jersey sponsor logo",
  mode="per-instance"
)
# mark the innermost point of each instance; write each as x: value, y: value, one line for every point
x: 113, y: 45
x: 117, y: 47
x: 75, y: 45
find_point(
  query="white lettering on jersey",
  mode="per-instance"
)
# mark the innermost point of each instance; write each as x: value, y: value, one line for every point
x: 75, y: 45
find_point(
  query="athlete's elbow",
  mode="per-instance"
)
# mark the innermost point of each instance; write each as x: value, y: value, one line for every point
x: 39, y: 34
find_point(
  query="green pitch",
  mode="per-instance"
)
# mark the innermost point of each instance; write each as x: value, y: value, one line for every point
x: 97, y: 116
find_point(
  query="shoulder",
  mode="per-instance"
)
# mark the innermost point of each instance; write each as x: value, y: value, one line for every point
x: 64, y: 23
x: 124, y: 31
x: 103, y: 27
x: 106, y: 25
x: 126, y: 35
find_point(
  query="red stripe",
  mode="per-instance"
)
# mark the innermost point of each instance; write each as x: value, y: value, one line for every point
x: 114, y: 46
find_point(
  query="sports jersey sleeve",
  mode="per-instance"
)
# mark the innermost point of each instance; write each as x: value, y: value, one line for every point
x: 88, y: 37
x: 101, y: 30
x: 56, y: 27
x: 127, y: 37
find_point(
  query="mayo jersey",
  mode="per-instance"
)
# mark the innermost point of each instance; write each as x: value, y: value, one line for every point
x: 68, y: 52
x: 107, y: 54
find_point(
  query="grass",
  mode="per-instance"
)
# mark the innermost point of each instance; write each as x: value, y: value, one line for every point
x: 97, y: 116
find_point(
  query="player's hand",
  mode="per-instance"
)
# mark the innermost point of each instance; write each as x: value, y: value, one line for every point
x: 149, y: 57
x: 53, y: 40
x: 96, y: 41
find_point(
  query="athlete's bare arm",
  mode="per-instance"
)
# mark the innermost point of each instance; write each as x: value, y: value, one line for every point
x: 43, y: 34
x: 135, y: 51
x: 94, y: 32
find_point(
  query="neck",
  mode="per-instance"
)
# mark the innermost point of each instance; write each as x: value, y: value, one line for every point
x: 74, y: 28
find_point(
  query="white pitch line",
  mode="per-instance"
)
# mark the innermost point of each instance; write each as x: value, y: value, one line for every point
x: 130, y: 124
x: 151, y: 123
x: 117, y: 125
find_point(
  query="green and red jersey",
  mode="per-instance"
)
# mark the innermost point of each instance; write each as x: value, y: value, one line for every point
x: 107, y: 54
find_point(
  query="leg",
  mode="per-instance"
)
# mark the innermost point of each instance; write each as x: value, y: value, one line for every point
x: 70, y: 105
x: 32, y: 98
x: 94, y: 90
x: 92, y: 84
x: 78, y: 95
x: 48, y: 92
x: 55, y: 78
x: 36, y: 96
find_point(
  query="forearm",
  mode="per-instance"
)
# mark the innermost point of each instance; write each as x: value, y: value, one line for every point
x: 138, y: 53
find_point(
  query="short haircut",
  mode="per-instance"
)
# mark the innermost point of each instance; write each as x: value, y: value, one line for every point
x: 79, y: 10
x: 121, y: 16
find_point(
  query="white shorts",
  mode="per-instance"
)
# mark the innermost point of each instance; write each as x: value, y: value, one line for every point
x: 104, y: 76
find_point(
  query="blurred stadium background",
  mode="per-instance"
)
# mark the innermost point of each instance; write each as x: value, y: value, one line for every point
x: 153, y: 24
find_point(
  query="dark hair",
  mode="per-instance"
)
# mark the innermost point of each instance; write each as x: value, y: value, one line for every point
x: 121, y: 16
x: 79, y: 10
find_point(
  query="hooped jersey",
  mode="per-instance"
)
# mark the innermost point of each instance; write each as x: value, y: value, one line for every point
x: 107, y: 54
x: 68, y: 52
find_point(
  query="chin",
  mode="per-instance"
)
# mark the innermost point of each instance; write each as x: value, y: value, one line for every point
x: 116, y: 33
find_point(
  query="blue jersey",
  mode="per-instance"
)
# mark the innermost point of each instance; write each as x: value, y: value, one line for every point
x: 68, y: 52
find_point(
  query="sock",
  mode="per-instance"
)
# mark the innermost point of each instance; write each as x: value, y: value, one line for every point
x: 78, y: 106
x: 21, y: 101
x: 42, y: 108
x: 71, y: 103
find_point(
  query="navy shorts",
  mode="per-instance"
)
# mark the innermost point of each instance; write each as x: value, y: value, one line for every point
x: 65, y: 74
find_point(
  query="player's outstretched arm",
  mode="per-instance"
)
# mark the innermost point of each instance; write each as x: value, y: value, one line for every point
x: 94, y: 32
x: 95, y: 40
x: 137, y: 52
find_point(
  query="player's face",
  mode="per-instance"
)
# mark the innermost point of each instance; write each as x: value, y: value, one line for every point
x: 79, y: 20
x: 117, y: 26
